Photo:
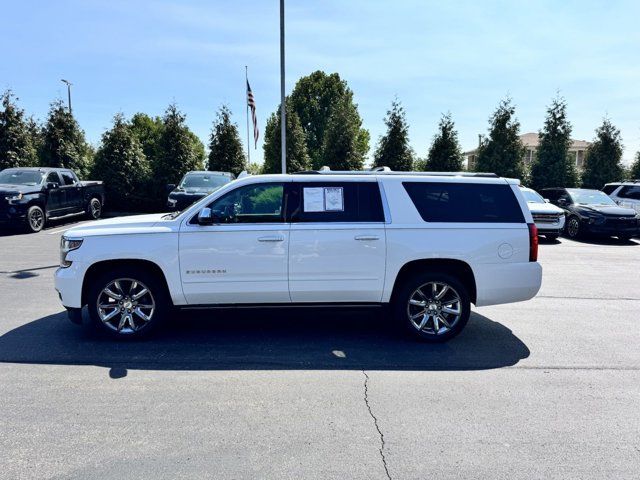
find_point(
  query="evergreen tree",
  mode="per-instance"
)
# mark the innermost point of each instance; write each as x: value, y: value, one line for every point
x: 445, y: 154
x: 225, y: 148
x: 147, y: 130
x: 603, y: 162
x: 502, y: 151
x: 18, y: 147
x: 634, y: 171
x: 393, y: 148
x: 554, y: 166
x: 341, y: 150
x: 122, y: 165
x: 178, y: 151
x: 64, y: 144
x: 314, y: 98
x: 297, y: 156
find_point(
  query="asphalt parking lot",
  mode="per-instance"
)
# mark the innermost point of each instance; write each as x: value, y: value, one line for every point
x: 548, y: 388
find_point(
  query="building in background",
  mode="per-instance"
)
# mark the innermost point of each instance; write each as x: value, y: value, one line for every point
x: 531, y: 141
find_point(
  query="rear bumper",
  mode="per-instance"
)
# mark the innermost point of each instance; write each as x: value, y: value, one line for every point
x: 507, y: 283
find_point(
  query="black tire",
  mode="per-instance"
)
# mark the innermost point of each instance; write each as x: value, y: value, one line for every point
x: 35, y: 219
x: 573, y: 229
x: 402, y: 308
x: 120, y: 327
x: 551, y: 237
x: 94, y: 209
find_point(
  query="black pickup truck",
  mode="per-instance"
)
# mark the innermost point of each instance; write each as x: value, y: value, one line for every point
x: 30, y: 197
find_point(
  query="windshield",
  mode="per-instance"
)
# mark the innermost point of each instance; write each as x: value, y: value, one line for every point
x: 532, y: 197
x: 590, y: 197
x: 20, y: 177
x: 203, y: 180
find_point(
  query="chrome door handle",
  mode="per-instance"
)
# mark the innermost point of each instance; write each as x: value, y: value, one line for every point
x: 271, y: 238
x: 366, y: 237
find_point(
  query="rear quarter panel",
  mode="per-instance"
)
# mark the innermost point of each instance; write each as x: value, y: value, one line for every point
x: 497, y: 253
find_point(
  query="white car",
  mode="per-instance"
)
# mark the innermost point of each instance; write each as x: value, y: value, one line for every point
x: 428, y: 245
x: 625, y: 194
x: 548, y: 218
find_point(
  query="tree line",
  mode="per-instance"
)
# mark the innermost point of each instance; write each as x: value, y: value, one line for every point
x: 138, y: 156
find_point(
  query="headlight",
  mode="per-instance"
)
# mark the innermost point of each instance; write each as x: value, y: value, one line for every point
x: 599, y: 220
x: 67, y: 245
x: 15, y: 198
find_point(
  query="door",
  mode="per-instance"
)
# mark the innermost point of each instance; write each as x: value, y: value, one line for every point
x: 72, y: 192
x: 242, y: 258
x: 337, y: 248
x: 55, y: 195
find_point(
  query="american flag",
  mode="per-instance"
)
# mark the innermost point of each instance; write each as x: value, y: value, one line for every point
x: 252, y: 105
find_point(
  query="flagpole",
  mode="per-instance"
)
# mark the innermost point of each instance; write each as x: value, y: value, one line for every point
x: 283, y: 123
x: 246, y: 98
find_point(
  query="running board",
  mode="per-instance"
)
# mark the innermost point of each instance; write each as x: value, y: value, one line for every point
x: 66, y: 216
x: 280, y: 305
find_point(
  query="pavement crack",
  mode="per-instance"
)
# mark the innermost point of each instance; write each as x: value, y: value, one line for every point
x: 375, y: 422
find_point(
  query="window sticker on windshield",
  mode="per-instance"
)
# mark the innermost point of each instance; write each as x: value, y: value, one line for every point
x: 333, y: 199
x: 313, y: 199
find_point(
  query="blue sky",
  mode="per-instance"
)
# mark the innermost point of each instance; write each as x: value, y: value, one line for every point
x: 458, y: 56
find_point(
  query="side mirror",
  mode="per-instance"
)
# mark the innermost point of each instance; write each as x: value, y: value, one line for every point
x: 546, y: 200
x: 170, y: 187
x: 52, y: 185
x: 206, y: 217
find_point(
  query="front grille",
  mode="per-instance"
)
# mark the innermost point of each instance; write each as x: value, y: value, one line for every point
x: 621, y: 221
x: 546, y: 217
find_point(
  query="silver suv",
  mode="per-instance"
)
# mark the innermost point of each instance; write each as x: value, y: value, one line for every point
x: 625, y: 194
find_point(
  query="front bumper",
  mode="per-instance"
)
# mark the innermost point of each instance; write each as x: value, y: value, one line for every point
x: 551, y: 227
x: 12, y: 214
x: 626, y: 228
x: 68, y: 284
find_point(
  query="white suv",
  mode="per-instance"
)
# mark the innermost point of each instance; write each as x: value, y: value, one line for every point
x: 428, y: 245
x: 625, y: 194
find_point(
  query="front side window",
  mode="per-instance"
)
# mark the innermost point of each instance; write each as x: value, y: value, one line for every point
x: 609, y: 189
x: 464, y: 202
x: 53, y: 178
x: 260, y: 203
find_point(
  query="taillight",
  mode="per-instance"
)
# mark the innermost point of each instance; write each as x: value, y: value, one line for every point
x: 533, y: 242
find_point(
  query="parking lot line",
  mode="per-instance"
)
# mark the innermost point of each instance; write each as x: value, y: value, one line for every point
x: 53, y: 232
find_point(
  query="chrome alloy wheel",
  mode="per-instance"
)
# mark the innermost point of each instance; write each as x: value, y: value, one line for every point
x: 434, y: 308
x: 573, y: 227
x: 125, y: 305
x: 36, y: 219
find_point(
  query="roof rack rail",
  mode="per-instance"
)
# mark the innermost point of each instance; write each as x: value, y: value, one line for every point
x: 634, y: 180
x: 383, y: 170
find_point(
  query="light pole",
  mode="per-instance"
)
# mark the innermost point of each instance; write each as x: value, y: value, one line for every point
x: 283, y: 119
x: 68, y: 83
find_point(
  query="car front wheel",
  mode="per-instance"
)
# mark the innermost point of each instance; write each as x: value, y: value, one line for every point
x: 127, y: 303
x: 433, y: 307
x: 573, y: 227
x: 35, y: 219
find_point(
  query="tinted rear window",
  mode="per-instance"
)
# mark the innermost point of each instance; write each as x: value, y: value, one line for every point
x: 464, y: 202
x: 361, y: 202
x: 608, y: 189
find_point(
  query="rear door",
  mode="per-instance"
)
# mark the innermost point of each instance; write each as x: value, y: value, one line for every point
x: 337, y: 246
x: 72, y: 192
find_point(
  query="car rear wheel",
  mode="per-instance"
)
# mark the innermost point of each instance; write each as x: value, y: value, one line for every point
x: 573, y: 227
x: 35, y: 219
x: 94, y: 209
x: 127, y: 303
x: 551, y: 237
x: 433, y: 307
